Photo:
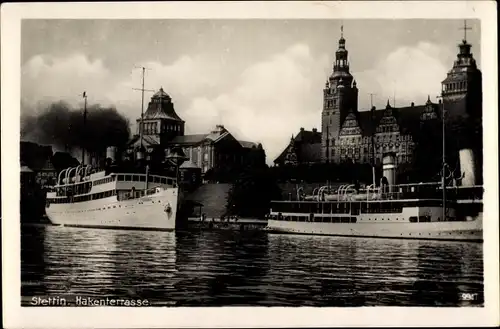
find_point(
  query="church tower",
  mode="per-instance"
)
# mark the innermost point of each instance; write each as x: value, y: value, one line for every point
x: 462, y: 102
x: 339, y: 97
x: 462, y: 88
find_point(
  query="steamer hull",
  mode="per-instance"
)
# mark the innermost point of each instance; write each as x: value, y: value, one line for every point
x: 113, y: 200
x: 399, y: 213
x: 459, y: 231
x: 155, y: 211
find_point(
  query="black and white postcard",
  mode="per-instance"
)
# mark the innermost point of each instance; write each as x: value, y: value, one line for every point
x: 209, y: 164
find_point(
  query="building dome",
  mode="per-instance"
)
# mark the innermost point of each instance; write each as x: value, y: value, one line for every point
x: 161, y: 94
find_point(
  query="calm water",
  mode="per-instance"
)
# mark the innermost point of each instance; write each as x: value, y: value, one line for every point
x: 244, y: 268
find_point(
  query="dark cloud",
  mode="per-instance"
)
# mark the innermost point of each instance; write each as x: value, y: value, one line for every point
x: 62, y: 126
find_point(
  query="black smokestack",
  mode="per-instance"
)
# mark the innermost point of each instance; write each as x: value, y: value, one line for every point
x: 62, y: 126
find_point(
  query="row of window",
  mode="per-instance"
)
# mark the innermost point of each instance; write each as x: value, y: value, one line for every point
x: 455, y: 86
x: 426, y: 219
x: 152, y: 128
x: 346, y: 207
x: 339, y: 208
x: 314, y: 219
x: 104, y: 180
x: 83, y: 198
x: 79, y: 188
x: 367, y: 158
x: 413, y: 219
x: 356, y: 150
x: 142, y: 178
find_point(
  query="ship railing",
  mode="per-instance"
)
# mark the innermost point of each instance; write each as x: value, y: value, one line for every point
x: 299, y: 190
x: 374, y: 193
x: 339, y: 191
x: 429, y: 190
x: 348, y: 188
x: 321, y: 192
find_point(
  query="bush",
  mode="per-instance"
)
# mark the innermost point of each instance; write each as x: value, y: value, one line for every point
x: 252, y: 192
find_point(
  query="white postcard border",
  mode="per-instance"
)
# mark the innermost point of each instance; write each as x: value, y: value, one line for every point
x: 16, y: 316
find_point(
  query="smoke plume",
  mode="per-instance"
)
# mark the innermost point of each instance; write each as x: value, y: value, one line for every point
x: 63, y: 127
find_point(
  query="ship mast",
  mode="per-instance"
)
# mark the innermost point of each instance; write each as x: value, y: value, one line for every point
x: 443, y: 169
x: 84, y: 123
x: 372, y: 113
x: 140, y: 154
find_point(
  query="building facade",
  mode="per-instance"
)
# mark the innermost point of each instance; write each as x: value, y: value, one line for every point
x: 349, y: 135
x: 163, y: 130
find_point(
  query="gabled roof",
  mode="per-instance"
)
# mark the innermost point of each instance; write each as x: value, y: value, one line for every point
x: 408, y: 118
x: 247, y: 145
x: 309, y: 137
x: 188, y: 165
x: 188, y: 139
x: 307, y: 146
x: 146, y: 140
x: 216, y: 136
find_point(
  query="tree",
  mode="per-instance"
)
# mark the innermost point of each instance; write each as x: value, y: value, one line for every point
x: 252, y: 192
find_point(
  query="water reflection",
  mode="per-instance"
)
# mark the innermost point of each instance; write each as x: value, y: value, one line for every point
x: 33, y: 266
x: 221, y: 268
x: 202, y: 268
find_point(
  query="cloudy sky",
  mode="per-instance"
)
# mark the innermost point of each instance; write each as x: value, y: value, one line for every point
x: 261, y: 79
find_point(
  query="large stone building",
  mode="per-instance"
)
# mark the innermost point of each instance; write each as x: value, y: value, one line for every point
x: 351, y: 135
x: 304, y: 148
x: 163, y: 130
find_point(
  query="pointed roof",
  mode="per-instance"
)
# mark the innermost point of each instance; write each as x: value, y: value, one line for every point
x: 161, y: 94
x: 161, y: 107
x: 26, y: 169
x: 188, y: 165
x: 306, y: 145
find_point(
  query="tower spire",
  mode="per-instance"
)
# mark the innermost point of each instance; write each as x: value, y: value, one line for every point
x: 465, y: 28
x: 342, y: 29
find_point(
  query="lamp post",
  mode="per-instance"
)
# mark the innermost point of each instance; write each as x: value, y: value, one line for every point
x: 177, y: 157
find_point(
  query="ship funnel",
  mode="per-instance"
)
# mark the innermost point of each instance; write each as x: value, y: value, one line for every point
x: 389, y: 169
x: 467, y: 167
x: 87, y: 158
x: 111, y: 153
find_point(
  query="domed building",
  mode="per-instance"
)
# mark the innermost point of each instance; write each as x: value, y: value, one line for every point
x: 163, y: 129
